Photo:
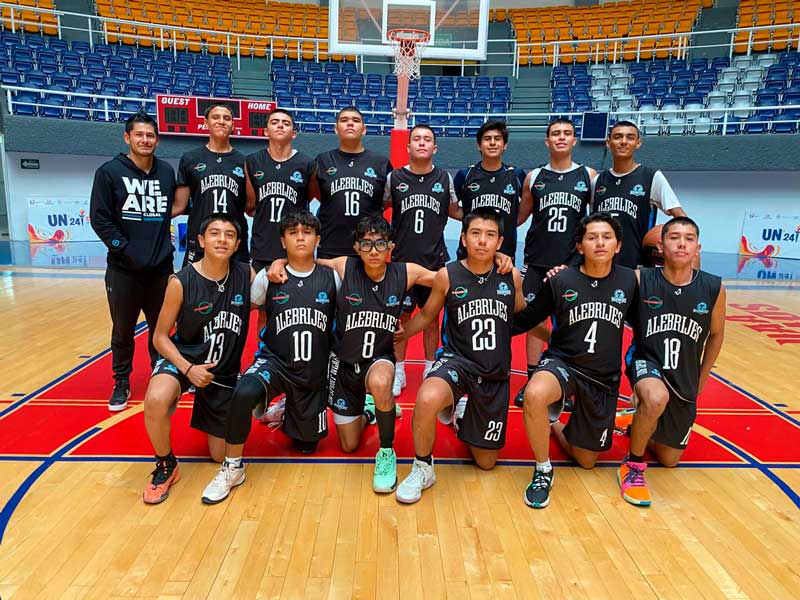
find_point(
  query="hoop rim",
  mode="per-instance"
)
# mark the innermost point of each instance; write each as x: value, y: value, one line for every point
x: 392, y: 34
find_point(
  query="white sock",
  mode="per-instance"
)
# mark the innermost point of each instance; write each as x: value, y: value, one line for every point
x: 237, y: 462
x: 400, y: 367
x: 544, y: 467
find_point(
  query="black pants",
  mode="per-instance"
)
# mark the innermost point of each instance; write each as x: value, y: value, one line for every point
x: 130, y: 292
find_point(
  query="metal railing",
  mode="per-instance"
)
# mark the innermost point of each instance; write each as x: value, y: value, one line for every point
x: 713, y: 120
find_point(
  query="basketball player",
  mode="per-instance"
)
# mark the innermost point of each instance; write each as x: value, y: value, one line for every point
x: 493, y: 184
x: 678, y: 333
x: 590, y: 304
x: 280, y: 180
x: 368, y: 307
x: 292, y: 357
x: 211, y: 180
x: 557, y: 196
x: 208, y: 304
x: 632, y: 193
x: 475, y: 359
x: 422, y: 196
x: 351, y: 182
x: 130, y: 210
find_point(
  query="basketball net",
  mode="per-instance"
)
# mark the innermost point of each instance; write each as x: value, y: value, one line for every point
x: 408, y: 45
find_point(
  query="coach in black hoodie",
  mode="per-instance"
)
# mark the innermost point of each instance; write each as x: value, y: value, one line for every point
x: 130, y: 211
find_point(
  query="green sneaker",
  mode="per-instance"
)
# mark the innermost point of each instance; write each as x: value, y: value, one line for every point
x: 369, y: 409
x: 385, y: 478
x: 398, y: 412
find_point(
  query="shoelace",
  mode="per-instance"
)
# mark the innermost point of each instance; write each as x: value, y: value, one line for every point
x: 635, y: 477
x: 417, y: 476
x: 160, y: 474
x: 383, y: 464
x: 226, y: 472
x: 541, y: 480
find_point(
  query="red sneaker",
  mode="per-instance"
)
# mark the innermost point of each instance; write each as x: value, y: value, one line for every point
x: 164, y: 477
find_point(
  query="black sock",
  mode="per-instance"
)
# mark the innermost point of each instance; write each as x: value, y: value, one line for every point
x: 385, y: 419
x: 635, y: 457
x: 531, y: 369
x: 427, y: 459
x: 168, y: 458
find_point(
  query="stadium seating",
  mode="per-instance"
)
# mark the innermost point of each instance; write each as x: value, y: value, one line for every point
x: 29, y: 21
x: 761, y: 13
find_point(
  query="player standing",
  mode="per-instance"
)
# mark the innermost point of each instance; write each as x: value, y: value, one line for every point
x: 422, y: 196
x: 632, y: 193
x: 678, y: 333
x: 590, y: 304
x: 211, y: 180
x: 208, y: 305
x: 351, y: 182
x: 130, y: 210
x: 557, y: 196
x: 475, y: 359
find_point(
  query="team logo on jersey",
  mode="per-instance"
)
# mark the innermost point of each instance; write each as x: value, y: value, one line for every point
x: 237, y: 300
x: 564, y: 373
x: 655, y: 372
x: 115, y: 243
x: 570, y: 295
x: 581, y: 187
x: 701, y: 308
x: 297, y: 177
x: 473, y: 187
x: 402, y: 187
x: 370, y: 172
x: 392, y: 302
x: 539, y: 186
x: 641, y: 367
x: 331, y: 170
x: 460, y: 292
x: 654, y: 302
x: 600, y: 191
x: 453, y: 375
x: 322, y: 298
x: 637, y: 190
x: 618, y: 297
x: 238, y: 172
x: 265, y: 375
x: 437, y: 188
x: 408, y: 302
x: 530, y: 297
x: 200, y: 167
x: 204, y: 308
x: 509, y: 189
x: 503, y: 289
x: 340, y: 404
x: 259, y: 175
x: 281, y: 298
x: 354, y: 299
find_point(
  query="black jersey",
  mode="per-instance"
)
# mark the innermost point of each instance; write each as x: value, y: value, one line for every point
x: 560, y: 201
x: 420, y: 205
x: 499, y: 190
x: 477, y: 319
x: 589, y: 316
x: 216, y: 184
x: 351, y: 187
x: 672, y: 324
x: 212, y: 324
x: 299, y: 324
x: 367, y: 312
x: 627, y: 198
x: 281, y: 188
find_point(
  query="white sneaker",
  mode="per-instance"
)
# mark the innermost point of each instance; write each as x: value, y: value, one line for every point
x: 227, y: 478
x: 421, y: 478
x: 399, y: 383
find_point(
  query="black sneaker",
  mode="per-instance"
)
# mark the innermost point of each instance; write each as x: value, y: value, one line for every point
x: 537, y: 494
x: 120, y: 395
x: 519, y: 399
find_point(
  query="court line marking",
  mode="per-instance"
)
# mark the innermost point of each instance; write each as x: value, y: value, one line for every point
x: 757, y: 400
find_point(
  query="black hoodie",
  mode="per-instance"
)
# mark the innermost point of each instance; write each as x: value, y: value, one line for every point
x: 131, y: 212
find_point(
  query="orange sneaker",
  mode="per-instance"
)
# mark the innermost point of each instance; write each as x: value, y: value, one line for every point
x: 163, y: 478
x: 623, y: 420
x: 630, y: 476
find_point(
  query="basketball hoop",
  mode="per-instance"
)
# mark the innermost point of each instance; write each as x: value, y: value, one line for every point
x: 408, y: 44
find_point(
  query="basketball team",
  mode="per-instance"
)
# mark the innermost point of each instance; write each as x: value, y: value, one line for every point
x: 337, y: 297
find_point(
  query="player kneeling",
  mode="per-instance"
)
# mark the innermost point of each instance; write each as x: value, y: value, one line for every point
x: 292, y: 357
x: 208, y: 303
x: 678, y: 333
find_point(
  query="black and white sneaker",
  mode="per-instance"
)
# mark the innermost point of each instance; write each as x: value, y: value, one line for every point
x: 120, y: 395
x: 537, y: 494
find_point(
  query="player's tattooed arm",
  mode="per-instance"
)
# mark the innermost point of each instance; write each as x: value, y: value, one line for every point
x: 250, y: 204
x: 526, y: 204
x: 428, y: 313
x: 716, y: 335
x: 417, y: 275
x: 180, y: 201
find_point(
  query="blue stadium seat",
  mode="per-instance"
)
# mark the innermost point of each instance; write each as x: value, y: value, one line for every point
x: 78, y: 108
x: 54, y: 108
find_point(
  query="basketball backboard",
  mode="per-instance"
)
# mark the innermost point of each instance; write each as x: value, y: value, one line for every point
x: 458, y: 28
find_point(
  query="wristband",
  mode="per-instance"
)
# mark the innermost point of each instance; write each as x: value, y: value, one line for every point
x: 187, y: 370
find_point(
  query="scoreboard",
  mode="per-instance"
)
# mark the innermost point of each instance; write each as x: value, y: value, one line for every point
x: 183, y: 115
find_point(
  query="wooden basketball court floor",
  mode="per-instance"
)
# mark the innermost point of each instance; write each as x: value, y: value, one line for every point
x: 72, y: 523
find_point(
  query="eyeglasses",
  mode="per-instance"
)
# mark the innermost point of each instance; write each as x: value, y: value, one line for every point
x: 368, y: 245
